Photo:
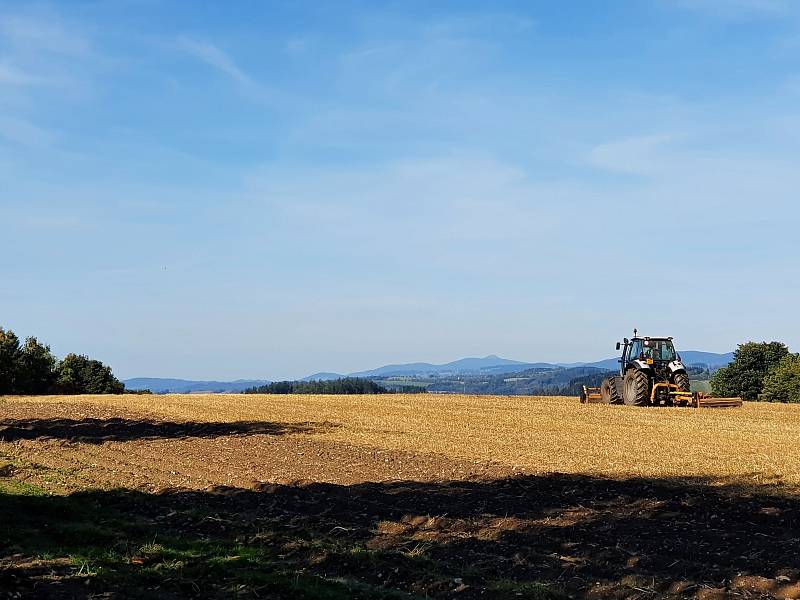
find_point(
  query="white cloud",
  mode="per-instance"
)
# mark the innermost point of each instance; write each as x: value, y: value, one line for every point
x: 635, y: 155
x: 42, y: 33
x: 297, y: 45
x: 458, y: 212
x: 40, y: 48
x: 736, y: 9
x: 216, y: 58
x: 219, y: 60
x: 10, y: 75
x: 23, y: 132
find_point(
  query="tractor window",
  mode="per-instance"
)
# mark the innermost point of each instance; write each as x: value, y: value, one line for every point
x: 635, y: 350
x: 662, y: 350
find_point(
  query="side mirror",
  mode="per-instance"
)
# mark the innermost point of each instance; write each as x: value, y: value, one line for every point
x: 617, y: 345
x: 626, y: 341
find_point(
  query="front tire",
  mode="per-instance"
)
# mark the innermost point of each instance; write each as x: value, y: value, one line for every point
x: 635, y: 388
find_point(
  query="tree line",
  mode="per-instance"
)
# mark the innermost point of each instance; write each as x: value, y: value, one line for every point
x: 29, y: 368
x: 764, y: 371
x: 347, y: 385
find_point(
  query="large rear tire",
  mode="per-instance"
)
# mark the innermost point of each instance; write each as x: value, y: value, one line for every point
x: 682, y: 381
x: 616, y: 387
x: 635, y: 388
x: 607, y: 391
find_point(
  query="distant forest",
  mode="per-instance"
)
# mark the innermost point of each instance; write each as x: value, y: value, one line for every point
x: 348, y: 385
x: 534, y: 382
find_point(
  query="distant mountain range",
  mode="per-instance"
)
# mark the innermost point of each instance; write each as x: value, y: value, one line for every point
x: 494, y: 365
x: 324, y: 376
x: 488, y: 365
x: 188, y: 386
x: 689, y: 357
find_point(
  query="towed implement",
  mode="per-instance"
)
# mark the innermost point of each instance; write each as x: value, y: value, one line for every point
x: 651, y: 373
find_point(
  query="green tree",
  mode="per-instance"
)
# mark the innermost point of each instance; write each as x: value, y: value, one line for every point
x: 347, y: 385
x: 78, y: 374
x: 35, y: 368
x: 782, y: 383
x: 745, y: 375
x: 9, y: 358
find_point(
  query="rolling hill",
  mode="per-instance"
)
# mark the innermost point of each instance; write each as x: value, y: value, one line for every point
x: 491, y: 365
x: 187, y: 386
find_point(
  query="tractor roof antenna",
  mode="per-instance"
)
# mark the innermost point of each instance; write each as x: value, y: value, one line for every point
x: 635, y: 331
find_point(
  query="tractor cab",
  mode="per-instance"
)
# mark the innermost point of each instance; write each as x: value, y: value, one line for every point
x: 650, y: 351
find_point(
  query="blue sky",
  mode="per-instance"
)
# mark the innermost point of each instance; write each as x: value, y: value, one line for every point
x: 268, y: 189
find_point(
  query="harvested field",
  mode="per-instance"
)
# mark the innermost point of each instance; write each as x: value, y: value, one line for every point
x: 395, y: 496
x: 751, y: 445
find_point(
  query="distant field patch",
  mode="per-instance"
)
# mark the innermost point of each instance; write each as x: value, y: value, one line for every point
x: 701, y: 385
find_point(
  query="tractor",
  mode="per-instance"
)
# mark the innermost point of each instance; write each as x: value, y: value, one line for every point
x: 650, y: 374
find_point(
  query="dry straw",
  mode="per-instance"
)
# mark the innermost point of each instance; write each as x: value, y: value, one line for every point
x: 755, y: 444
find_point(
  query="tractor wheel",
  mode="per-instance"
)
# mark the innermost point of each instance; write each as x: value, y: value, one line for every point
x: 616, y: 390
x: 682, y: 381
x: 635, y: 388
x: 606, y: 391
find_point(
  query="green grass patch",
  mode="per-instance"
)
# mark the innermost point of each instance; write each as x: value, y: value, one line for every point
x: 12, y: 487
x: 117, y: 540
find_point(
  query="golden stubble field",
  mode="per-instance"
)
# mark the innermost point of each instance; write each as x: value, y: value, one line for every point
x: 757, y: 444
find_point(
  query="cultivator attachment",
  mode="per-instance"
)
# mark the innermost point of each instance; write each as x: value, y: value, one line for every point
x: 700, y: 400
x: 592, y: 395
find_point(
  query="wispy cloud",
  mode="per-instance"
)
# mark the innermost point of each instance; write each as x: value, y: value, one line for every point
x: 42, y: 33
x: 250, y: 87
x: 218, y: 59
x: 428, y: 209
x: 735, y: 9
x: 635, y: 155
x: 23, y: 132
x: 40, y: 48
x: 11, y: 75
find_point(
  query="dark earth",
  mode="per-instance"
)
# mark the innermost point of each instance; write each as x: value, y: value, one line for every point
x: 448, y: 529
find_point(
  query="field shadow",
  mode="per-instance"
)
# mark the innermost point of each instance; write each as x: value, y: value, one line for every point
x: 98, y: 431
x: 524, y: 537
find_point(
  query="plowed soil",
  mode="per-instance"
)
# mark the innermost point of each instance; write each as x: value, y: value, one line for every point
x: 355, y: 497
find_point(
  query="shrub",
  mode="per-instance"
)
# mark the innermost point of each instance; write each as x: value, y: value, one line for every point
x: 78, y: 374
x: 782, y: 384
x: 745, y: 375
